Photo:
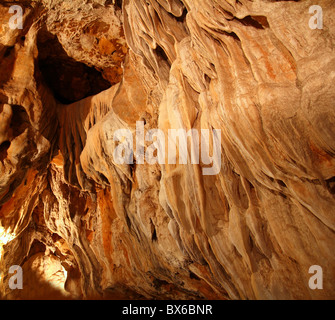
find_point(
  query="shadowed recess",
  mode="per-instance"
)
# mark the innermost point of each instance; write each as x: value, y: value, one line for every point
x: 69, y: 80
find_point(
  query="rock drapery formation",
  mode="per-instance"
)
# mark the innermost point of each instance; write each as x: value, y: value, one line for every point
x: 83, y: 226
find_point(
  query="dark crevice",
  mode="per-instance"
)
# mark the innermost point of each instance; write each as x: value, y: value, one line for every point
x: 158, y: 283
x: 69, y: 80
x: 36, y: 247
x: 118, y: 4
x: 160, y: 53
x: 8, y: 51
x: 103, y: 178
x: 154, y: 235
x: 132, y: 168
x: 281, y: 183
x: 182, y: 18
x: 231, y: 34
x: 331, y: 185
x: 3, y: 150
x: 194, y: 276
x: 153, y: 231
x: 20, y: 120
x: 207, y: 79
x: 283, y: 195
x: 128, y: 222
x: 251, y: 242
x: 258, y: 22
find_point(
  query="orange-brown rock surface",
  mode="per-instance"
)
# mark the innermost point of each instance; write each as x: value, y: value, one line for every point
x: 83, y: 226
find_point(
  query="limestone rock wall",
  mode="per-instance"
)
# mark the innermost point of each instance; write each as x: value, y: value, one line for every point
x: 83, y: 226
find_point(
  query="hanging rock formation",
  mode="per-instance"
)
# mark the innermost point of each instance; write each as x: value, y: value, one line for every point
x: 83, y: 226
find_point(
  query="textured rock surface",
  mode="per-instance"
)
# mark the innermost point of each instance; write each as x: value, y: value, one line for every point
x: 83, y: 226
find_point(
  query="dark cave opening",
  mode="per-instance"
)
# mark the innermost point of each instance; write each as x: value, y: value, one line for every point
x: 69, y: 80
x: 3, y: 150
x: 20, y: 120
